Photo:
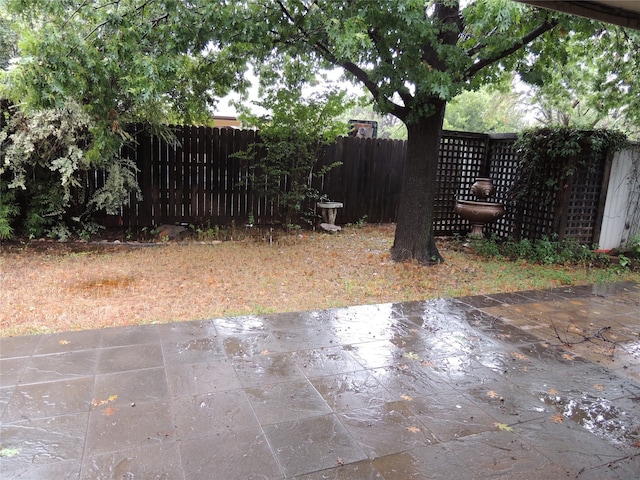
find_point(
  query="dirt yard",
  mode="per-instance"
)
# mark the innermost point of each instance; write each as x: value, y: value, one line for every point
x: 48, y: 287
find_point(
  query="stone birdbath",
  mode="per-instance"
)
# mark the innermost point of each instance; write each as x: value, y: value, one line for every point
x: 329, y: 210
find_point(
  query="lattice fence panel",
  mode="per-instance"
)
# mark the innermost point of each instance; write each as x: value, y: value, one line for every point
x: 461, y: 160
x: 503, y: 162
x: 582, y: 205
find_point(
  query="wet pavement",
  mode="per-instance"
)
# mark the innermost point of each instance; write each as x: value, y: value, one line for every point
x: 528, y: 385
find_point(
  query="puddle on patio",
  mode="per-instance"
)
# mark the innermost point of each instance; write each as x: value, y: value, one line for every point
x: 597, y: 415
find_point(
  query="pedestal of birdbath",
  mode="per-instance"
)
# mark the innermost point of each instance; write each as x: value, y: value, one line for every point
x: 329, y: 210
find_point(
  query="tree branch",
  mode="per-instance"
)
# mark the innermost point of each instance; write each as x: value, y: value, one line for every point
x: 525, y: 40
x: 73, y: 14
x: 350, y: 67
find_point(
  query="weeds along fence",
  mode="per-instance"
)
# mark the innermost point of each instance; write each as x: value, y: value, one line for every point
x: 199, y: 181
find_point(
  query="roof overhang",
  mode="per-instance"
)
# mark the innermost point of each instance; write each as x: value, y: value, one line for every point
x: 625, y: 13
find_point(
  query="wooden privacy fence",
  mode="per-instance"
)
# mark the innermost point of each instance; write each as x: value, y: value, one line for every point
x: 198, y: 181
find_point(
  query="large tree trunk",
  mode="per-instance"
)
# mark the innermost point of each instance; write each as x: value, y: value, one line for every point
x: 414, y: 239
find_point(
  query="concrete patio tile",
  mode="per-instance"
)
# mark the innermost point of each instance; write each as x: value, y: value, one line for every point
x: 281, y: 402
x: 44, y: 446
x: 205, y: 377
x: 244, y: 455
x: 424, y: 463
x: 111, y: 429
x: 353, y: 390
x: 386, y: 429
x: 221, y: 413
x: 151, y: 462
x: 49, y: 399
x: 130, y: 357
x: 312, y: 444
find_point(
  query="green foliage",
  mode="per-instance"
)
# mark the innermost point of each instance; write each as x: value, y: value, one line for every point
x: 545, y: 251
x: 123, y: 61
x: 589, y: 78
x: 45, y: 159
x: 633, y: 246
x: 550, y: 156
x: 483, y: 111
x: 284, y: 162
x: 8, y: 211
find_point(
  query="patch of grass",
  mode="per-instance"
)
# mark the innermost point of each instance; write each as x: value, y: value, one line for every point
x: 54, y: 289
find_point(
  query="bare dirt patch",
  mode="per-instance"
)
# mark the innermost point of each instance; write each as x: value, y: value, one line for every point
x: 47, y: 287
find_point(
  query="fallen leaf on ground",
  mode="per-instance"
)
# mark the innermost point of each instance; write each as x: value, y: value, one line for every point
x: 107, y: 412
x: 503, y: 426
x: 492, y: 394
x: 9, y: 452
x: 99, y: 403
x: 519, y: 356
x: 557, y: 418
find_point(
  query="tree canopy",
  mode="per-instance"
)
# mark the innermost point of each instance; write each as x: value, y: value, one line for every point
x: 150, y: 59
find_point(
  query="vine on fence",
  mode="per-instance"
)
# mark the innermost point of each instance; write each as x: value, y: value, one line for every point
x: 551, y: 155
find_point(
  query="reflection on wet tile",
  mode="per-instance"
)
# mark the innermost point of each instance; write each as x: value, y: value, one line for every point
x: 237, y: 325
x: 250, y: 344
x: 386, y: 429
x: 431, y: 462
x: 69, y: 470
x: 48, y: 443
x: 151, y: 462
x: 498, y: 453
x: 312, y: 444
x: 12, y: 370
x: 296, y: 320
x: 353, y: 390
x: 566, y: 444
x: 362, y: 470
x: 69, y: 341
x: 242, y: 454
x: 411, y: 379
x: 213, y: 414
x: 42, y: 400
x: 134, y: 386
x: 207, y: 349
x: 266, y: 369
x: 60, y: 366
x: 286, y: 401
x: 451, y: 415
x: 132, y: 357
x: 207, y: 377
x: 325, y: 361
x: 376, y: 354
x: 123, y: 336
x: 480, y: 301
x: 130, y: 426
x: 21, y: 346
x: 304, y: 339
x: 181, y: 332
x: 5, y: 395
